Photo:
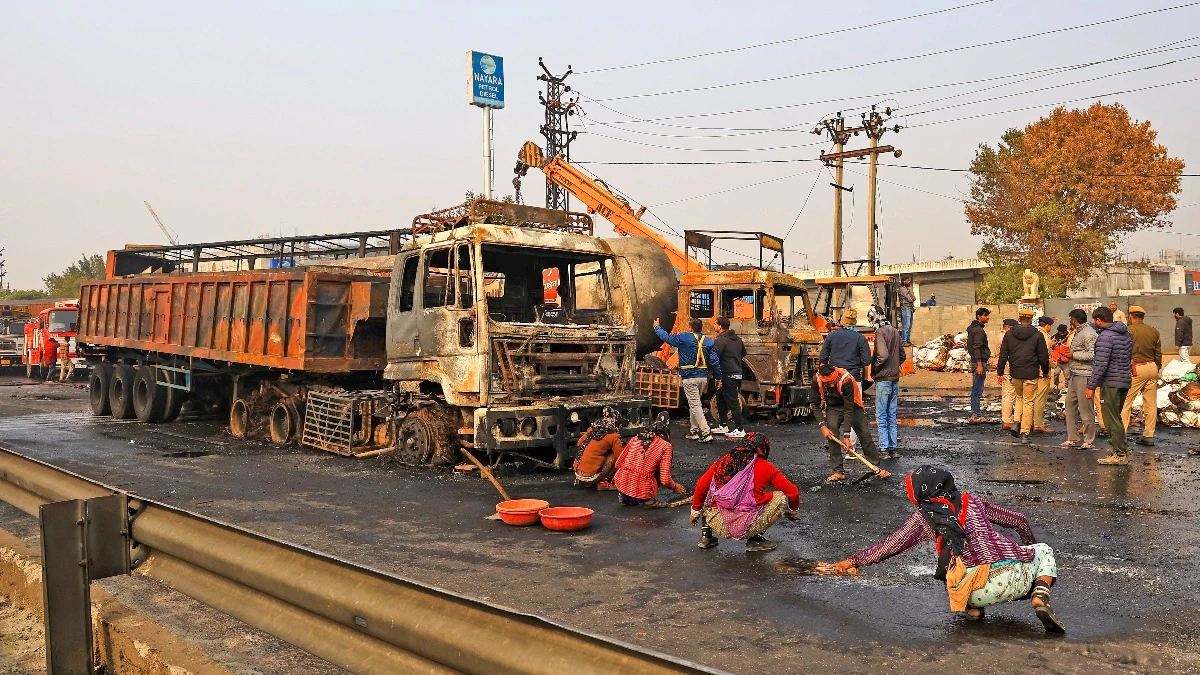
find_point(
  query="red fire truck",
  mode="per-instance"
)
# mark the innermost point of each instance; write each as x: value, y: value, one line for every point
x: 59, y: 322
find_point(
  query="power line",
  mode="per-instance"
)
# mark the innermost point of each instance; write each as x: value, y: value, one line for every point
x: 909, y: 187
x: 899, y: 59
x: 733, y: 189
x: 781, y: 42
x: 898, y: 166
x: 1031, y: 74
x: 1051, y: 87
x: 675, y: 147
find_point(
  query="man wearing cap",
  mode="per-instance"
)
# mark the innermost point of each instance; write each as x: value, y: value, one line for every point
x: 1009, y: 401
x: 908, y: 303
x: 1147, y: 361
x: 846, y: 348
x: 1023, y: 351
x: 1045, y: 325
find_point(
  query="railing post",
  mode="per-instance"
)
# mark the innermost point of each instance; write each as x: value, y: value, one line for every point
x: 82, y: 540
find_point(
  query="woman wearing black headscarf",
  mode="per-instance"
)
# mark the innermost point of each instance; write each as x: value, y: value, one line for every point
x: 600, y: 445
x: 980, y: 566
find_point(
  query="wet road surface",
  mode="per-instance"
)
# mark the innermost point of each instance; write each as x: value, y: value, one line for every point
x: 1125, y: 539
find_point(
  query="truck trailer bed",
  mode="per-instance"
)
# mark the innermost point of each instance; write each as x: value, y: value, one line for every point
x: 314, y: 319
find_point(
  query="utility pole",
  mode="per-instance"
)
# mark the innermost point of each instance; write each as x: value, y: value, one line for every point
x: 874, y: 124
x: 836, y: 128
x: 556, y: 130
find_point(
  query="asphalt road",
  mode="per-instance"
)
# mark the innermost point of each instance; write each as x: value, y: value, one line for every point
x: 1126, y: 542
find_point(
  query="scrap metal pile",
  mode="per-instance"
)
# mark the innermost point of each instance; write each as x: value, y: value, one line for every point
x: 945, y: 353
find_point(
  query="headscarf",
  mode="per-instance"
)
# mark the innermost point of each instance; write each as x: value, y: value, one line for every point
x: 661, y: 426
x: 752, y: 446
x: 607, y: 424
x: 877, y: 317
x: 933, y: 492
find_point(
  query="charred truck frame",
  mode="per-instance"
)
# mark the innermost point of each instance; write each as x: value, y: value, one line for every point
x: 414, y: 342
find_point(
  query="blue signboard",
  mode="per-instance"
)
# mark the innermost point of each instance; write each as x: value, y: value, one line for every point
x: 485, y: 74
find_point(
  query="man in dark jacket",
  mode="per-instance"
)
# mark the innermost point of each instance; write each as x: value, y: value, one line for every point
x: 1112, y: 374
x: 730, y: 352
x: 981, y: 353
x: 846, y: 347
x: 908, y: 303
x: 885, y: 371
x: 1023, y: 351
x: 1183, y: 334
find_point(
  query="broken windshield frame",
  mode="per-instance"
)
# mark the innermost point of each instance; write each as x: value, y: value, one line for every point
x: 538, y: 285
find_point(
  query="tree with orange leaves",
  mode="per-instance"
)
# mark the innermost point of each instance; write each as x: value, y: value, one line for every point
x: 1059, y: 196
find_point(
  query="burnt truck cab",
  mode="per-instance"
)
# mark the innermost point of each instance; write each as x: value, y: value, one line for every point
x: 769, y: 309
x: 500, y: 359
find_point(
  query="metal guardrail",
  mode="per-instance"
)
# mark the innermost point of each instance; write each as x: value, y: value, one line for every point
x: 359, y: 619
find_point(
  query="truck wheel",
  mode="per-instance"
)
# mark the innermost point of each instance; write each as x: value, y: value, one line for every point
x: 175, y: 399
x: 283, y: 423
x: 99, y: 380
x: 712, y: 404
x: 783, y: 415
x: 239, y: 418
x: 120, y: 391
x: 425, y: 436
x: 149, y: 399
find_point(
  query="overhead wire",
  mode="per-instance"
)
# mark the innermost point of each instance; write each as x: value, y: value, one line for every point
x: 1031, y: 74
x: 773, y: 43
x: 733, y: 189
x: 899, y: 59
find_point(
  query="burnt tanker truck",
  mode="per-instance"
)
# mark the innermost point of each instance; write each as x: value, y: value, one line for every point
x: 413, y: 342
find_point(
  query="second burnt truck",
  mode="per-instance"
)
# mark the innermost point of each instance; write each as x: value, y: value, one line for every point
x: 415, y: 342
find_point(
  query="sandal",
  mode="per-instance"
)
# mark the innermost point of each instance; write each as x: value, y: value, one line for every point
x: 835, y: 477
x: 1069, y: 444
x: 1044, y: 613
x: 975, y: 614
x: 654, y: 504
x: 1088, y: 446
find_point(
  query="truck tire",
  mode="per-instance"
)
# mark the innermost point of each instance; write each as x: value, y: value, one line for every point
x: 239, y: 418
x: 712, y: 404
x: 425, y: 436
x: 283, y: 423
x: 99, y: 379
x: 175, y: 399
x: 120, y: 391
x: 149, y: 398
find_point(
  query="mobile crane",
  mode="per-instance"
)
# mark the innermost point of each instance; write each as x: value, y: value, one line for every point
x: 769, y: 309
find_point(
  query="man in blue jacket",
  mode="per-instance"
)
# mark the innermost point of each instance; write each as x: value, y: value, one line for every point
x: 697, y: 356
x: 1112, y: 374
x: 846, y: 348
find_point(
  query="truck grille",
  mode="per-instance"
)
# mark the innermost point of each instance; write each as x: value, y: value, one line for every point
x: 526, y: 367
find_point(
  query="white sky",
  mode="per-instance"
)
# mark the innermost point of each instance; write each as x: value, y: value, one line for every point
x: 240, y: 119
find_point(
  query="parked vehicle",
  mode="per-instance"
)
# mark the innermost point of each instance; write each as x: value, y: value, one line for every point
x: 59, y: 322
x: 423, y: 340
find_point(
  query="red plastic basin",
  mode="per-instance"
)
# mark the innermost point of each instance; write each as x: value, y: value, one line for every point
x: 566, y: 518
x: 521, y: 512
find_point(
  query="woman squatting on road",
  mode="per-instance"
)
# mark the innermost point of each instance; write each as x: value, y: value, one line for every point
x: 732, y: 500
x: 980, y: 566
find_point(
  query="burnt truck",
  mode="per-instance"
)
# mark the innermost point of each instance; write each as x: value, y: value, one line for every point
x: 412, y: 343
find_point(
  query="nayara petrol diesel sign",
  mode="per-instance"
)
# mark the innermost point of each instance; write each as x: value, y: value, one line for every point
x: 485, y: 74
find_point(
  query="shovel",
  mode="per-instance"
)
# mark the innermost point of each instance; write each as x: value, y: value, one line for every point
x: 875, y: 471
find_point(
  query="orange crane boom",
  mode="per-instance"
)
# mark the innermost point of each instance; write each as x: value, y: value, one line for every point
x: 601, y: 200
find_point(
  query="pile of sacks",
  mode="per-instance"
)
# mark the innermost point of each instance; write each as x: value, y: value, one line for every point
x: 947, y: 353
x: 1178, y: 396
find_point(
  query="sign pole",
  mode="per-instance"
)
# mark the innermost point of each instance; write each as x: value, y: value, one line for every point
x: 485, y: 88
x: 487, y: 153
